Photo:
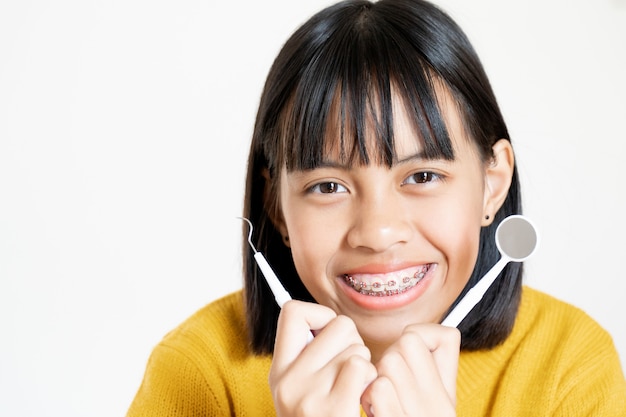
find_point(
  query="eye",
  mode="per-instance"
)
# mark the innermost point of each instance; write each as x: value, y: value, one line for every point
x: 422, y: 177
x: 328, y: 188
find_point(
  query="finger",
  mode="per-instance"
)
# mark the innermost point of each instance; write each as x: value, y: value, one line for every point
x: 353, y: 375
x: 329, y: 374
x: 423, y: 360
x: 408, y: 386
x: 295, y: 322
x: 444, y: 345
x: 356, y: 371
x: 380, y: 399
x: 333, y: 344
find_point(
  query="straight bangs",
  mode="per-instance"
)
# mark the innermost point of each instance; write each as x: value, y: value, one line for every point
x: 341, y: 104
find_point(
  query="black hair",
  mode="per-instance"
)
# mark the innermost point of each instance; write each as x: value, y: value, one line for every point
x: 352, y: 55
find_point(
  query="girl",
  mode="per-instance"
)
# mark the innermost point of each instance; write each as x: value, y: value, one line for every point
x: 379, y: 168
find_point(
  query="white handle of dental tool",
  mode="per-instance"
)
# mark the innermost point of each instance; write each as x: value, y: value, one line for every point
x: 473, y: 296
x: 280, y: 294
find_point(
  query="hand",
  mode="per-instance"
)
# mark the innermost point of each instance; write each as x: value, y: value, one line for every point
x: 326, y: 377
x: 417, y: 374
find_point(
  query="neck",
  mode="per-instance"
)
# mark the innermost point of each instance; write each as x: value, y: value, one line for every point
x: 377, y: 349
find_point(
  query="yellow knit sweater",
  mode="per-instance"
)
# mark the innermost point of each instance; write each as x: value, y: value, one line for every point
x: 556, y: 362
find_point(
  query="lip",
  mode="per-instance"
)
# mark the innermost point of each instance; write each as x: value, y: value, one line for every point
x: 387, y: 302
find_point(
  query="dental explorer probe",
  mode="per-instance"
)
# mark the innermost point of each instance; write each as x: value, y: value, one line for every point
x: 280, y: 293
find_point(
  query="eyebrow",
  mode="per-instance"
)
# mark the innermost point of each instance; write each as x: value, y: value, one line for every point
x: 418, y: 156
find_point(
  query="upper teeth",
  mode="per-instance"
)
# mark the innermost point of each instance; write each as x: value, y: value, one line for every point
x: 394, y: 284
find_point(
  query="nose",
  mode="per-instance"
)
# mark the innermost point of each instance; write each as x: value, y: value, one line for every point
x: 381, y: 221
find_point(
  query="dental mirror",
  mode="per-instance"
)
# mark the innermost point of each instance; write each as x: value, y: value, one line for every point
x: 516, y: 240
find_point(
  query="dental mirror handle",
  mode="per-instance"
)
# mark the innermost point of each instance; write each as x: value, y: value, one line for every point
x: 474, y: 295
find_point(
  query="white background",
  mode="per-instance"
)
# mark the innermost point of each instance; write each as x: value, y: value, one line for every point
x: 124, y: 128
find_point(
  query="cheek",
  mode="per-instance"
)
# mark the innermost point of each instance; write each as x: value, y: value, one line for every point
x: 312, y: 253
x: 455, y: 232
x: 312, y: 247
x: 463, y: 254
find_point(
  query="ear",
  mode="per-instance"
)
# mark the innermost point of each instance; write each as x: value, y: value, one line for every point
x: 498, y: 177
x: 271, y: 201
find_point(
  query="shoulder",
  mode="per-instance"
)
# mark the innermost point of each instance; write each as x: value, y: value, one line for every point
x: 557, y: 359
x: 541, y: 312
x: 569, y: 350
x: 214, y: 340
x: 218, y: 325
x: 205, y: 367
x: 559, y: 325
x: 562, y: 335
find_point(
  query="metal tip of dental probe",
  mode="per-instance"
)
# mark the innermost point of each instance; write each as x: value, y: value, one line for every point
x: 249, y: 233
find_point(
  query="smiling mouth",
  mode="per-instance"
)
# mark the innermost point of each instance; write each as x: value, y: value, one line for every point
x: 384, y: 285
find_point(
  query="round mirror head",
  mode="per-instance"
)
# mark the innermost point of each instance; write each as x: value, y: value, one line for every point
x: 516, y: 238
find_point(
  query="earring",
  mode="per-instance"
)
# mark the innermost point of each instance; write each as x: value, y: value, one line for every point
x: 286, y: 240
x: 487, y: 217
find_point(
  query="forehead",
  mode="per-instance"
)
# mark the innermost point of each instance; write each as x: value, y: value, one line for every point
x: 355, y: 121
x: 343, y: 143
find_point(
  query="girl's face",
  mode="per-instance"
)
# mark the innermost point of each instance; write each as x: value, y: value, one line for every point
x: 389, y: 246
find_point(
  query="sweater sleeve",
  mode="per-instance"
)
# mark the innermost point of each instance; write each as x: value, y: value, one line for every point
x: 174, y: 386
